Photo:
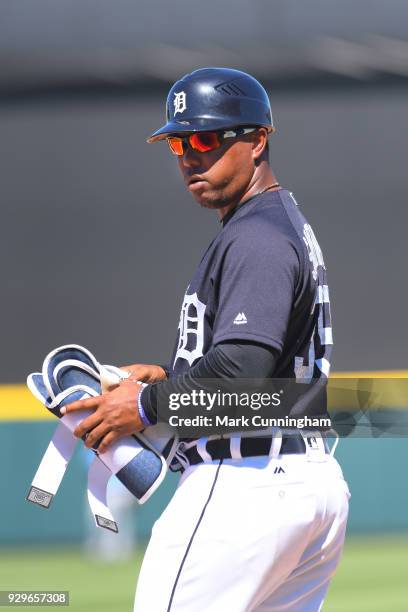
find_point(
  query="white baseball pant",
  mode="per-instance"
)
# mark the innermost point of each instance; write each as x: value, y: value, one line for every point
x: 245, y: 536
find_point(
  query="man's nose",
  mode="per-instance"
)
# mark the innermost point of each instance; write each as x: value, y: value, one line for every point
x: 191, y: 158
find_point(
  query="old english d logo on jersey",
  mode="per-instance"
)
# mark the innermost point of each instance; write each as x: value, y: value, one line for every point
x: 191, y: 329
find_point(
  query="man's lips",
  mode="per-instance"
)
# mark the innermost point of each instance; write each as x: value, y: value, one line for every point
x: 194, y: 179
x: 196, y: 183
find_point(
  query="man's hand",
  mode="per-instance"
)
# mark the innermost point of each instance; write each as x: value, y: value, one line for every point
x: 116, y: 415
x: 145, y: 373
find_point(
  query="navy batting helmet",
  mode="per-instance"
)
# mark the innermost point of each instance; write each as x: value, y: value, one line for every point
x: 215, y: 99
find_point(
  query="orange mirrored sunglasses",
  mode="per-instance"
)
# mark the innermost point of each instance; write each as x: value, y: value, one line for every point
x: 204, y: 141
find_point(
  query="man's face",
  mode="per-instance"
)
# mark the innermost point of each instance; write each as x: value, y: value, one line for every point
x: 220, y: 177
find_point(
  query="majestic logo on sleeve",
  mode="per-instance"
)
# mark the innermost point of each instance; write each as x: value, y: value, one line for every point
x: 191, y: 329
x: 179, y: 102
x: 240, y: 319
x: 313, y: 248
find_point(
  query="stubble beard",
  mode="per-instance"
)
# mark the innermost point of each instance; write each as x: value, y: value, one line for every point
x: 215, y: 201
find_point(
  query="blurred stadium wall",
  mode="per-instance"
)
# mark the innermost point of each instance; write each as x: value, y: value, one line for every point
x: 98, y: 236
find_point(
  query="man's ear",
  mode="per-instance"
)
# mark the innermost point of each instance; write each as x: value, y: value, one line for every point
x: 259, y: 144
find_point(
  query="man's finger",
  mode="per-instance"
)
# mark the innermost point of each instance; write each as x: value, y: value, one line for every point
x: 96, y: 435
x: 87, y: 425
x: 85, y: 404
x: 110, y: 437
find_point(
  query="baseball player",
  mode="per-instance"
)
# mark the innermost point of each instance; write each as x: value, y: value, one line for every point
x: 257, y: 522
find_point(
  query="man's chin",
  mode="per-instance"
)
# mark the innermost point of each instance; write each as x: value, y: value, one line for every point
x: 206, y: 201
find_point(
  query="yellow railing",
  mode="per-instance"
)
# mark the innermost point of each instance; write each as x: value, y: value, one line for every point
x: 18, y: 404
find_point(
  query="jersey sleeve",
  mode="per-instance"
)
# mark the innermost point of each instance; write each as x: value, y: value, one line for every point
x: 255, y: 287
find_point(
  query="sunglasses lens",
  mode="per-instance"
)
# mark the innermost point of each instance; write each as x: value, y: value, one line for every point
x: 176, y: 145
x: 204, y: 141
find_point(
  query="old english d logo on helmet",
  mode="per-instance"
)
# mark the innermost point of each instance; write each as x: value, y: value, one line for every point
x: 215, y: 99
x: 179, y: 102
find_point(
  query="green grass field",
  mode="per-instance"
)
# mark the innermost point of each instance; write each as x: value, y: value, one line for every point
x: 372, y: 577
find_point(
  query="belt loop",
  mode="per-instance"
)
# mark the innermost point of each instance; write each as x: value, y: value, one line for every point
x: 276, y: 442
x: 314, y: 443
x: 202, y: 450
x: 335, y: 443
x: 235, y: 447
x: 182, y: 459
